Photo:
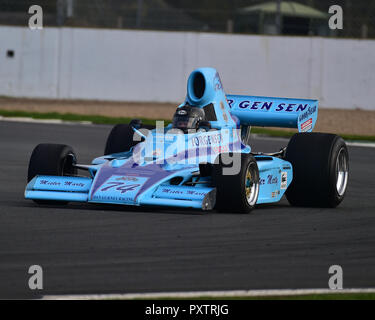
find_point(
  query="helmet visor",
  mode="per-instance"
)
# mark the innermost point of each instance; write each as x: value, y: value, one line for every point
x: 184, y: 122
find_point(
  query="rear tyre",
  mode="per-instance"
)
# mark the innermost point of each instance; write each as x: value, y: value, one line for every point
x: 52, y: 160
x: 320, y: 169
x: 236, y: 192
x: 122, y: 138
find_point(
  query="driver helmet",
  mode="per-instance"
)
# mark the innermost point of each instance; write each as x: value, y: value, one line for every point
x: 187, y: 118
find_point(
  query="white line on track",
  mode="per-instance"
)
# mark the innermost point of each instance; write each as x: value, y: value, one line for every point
x: 45, y: 121
x: 360, y: 144
x: 208, y: 294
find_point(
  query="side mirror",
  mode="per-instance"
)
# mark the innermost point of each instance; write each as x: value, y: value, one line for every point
x: 204, y: 125
x: 136, y: 123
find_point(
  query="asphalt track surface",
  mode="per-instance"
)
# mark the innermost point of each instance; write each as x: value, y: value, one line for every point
x: 113, y: 249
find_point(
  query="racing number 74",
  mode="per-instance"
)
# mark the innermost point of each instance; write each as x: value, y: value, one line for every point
x: 121, y: 186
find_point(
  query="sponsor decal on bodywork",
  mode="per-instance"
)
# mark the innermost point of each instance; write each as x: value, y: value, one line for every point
x: 217, y: 84
x: 147, y: 176
x: 275, y: 194
x: 306, y: 126
x: 284, y: 180
x: 61, y: 183
x: 308, y: 113
x: 230, y: 102
x: 270, y: 180
x: 181, y: 192
x: 119, y: 188
x: 266, y: 106
x: 192, y: 148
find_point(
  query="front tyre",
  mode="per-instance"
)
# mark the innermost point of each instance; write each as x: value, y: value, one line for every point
x: 236, y: 191
x: 320, y: 169
x: 52, y: 160
x: 122, y: 138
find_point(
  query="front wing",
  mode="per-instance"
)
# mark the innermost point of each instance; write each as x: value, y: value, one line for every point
x: 77, y: 189
x: 126, y: 189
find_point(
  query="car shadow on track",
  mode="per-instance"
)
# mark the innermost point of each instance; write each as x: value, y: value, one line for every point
x: 108, y: 208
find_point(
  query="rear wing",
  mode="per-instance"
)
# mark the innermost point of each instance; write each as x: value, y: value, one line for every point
x: 274, y: 112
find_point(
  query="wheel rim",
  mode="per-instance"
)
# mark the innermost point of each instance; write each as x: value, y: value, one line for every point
x: 251, y: 184
x: 341, y: 172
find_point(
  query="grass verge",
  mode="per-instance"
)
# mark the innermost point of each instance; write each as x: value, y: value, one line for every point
x: 70, y: 117
x: 98, y: 119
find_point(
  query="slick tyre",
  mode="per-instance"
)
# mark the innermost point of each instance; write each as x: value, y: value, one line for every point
x: 122, y: 138
x: 320, y: 164
x: 51, y: 160
x: 237, y: 188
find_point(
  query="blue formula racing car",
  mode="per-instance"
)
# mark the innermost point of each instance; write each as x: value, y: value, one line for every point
x: 201, y: 160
